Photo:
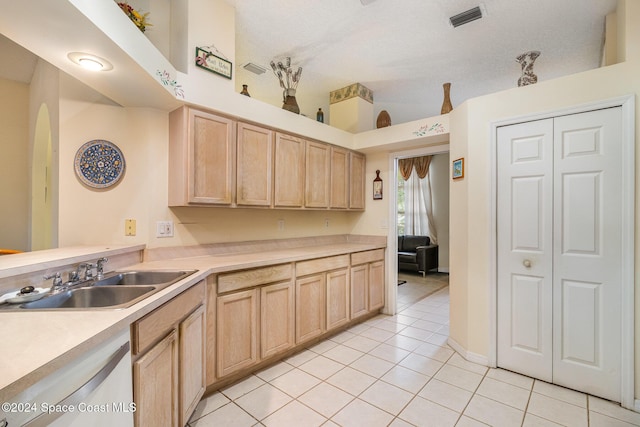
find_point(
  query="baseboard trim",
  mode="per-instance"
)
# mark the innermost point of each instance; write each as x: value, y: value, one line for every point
x: 468, y: 355
x: 443, y: 270
x: 636, y: 407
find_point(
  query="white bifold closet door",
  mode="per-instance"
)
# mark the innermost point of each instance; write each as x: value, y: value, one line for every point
x: 559, y: 250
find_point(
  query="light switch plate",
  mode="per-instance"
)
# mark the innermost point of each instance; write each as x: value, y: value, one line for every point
x: 129, y: 227
x: 164, y: 229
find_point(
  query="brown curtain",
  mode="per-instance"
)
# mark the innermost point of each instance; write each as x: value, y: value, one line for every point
x: 422, y: 165
x: 405, y: 166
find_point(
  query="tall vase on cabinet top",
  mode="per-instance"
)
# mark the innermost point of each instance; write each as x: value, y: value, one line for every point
x: 290, y: 103
x: 446, y: 103
x: 526, y: 61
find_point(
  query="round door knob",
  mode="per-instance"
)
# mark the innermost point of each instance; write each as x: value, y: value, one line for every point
x: 526, y: 263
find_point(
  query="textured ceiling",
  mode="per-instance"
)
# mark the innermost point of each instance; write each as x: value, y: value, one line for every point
x: 404, y: 50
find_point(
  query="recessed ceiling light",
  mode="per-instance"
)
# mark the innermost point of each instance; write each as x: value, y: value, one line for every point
x: 90, y: 62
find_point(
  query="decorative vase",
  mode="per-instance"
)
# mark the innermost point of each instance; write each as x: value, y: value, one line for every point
x: 446, y: 103
x: 290, y: 103
x: 320, y: 115
x: 383, y: 120
x: 245, y: 91
x: 526, y: 61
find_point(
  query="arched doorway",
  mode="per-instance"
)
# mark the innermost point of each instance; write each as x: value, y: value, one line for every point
x: 42, y: 193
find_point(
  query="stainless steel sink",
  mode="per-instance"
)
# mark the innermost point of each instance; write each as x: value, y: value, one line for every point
x: 115, y: 290
x: 92, y: 297
x: 142, y: 278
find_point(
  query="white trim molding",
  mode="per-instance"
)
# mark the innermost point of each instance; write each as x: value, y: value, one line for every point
x: 627, y: 103
x: 468, y: 355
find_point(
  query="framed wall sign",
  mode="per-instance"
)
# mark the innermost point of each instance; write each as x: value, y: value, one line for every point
x: 377, y: 186
x: 457, y: 170
x: 213, y: 63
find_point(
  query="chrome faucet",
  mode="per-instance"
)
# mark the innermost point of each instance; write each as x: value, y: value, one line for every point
x: 88, y: 270
x: 57, y: 282
x: 100, y: 267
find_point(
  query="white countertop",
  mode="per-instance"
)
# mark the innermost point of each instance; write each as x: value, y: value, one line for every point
x: 36, y: 343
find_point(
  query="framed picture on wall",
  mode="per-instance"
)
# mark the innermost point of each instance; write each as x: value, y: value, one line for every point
x: 377, y: 187
x: 457, y: 170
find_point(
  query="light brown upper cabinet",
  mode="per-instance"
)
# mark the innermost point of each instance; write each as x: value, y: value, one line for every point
x: 201, y: 158
x: 254, y: 166
x: 356, y: 181
x: 218, y: 161
x: 339, y: 197
x: 289, y: 171
x: 318, y: 163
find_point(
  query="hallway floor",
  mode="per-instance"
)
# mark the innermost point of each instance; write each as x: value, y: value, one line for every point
x: 399, y: 371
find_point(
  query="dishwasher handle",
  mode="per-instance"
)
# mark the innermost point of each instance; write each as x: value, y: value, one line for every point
x: 85, y: 390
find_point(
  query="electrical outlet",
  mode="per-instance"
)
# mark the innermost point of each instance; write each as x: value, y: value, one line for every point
x: 326, y: 223
x: 281, y: 225
x: 129, y: 227
x: 164, y: 229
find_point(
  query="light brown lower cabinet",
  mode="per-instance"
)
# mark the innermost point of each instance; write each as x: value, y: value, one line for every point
x: 192, y: 361
x: 359, y: 290
x: 255, y: 315
x: 310, y: 307
x: 338, y: 298
x: 169, y: 360
x: 155, y: 384
x: 237, y: 331
x: 367, y: 282
x: 376, y: 285
x: 277, y: 317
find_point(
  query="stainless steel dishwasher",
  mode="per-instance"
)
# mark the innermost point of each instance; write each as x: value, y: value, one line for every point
x: 93, y: 390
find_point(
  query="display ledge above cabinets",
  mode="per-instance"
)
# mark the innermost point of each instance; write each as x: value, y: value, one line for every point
x: 218, y: 161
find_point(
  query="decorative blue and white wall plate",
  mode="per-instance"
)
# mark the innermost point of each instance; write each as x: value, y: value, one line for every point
x: 99, y: 164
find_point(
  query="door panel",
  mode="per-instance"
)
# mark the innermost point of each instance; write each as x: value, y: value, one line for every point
x: 525, y: 248
x: 587, y: 252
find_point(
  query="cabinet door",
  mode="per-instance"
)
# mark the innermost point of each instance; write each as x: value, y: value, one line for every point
x: 310, y: 307
x: 237, y: 337
x: 192, y: 362
x: 376, y: 285
x: 289, y: 171
x: 339, y: 198
x: 210, y: 346
x: 359, y: 288
x: 337, y: 298
x: 356, y: 180
x: 254, y: 165
x: 211, y: 158
x: 155, y: 379
x: 277, y: 318
x: 317, y: 175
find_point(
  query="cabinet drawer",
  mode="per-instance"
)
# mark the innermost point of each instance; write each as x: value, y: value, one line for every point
x: 254, y: 277
x: 367, y: 256
x: 304, y: 268
x: 159, y: 322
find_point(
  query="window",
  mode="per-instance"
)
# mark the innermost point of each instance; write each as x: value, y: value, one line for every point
x: 400, y: 207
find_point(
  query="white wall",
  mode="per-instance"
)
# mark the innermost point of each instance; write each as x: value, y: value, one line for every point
x: 471, y: 261
x: 439, y: 175
x: 90, y: 216
x: 14, y: 170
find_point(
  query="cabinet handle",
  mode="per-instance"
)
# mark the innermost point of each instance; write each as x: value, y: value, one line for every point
x: 85, y: 390
x: 527, y: 263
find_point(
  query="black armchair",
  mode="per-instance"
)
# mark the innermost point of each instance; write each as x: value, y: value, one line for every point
x: 416, y: 253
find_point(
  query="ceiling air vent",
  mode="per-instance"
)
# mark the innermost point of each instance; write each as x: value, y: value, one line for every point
x: 466, y: 17
x: 254, y: 68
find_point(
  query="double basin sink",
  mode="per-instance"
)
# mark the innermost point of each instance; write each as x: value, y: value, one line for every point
x: 115, y: 290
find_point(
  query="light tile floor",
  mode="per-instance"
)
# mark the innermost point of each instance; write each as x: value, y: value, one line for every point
x: 398, y: 371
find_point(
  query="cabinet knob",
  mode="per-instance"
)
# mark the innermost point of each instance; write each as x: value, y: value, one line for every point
x: 526, y: 263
